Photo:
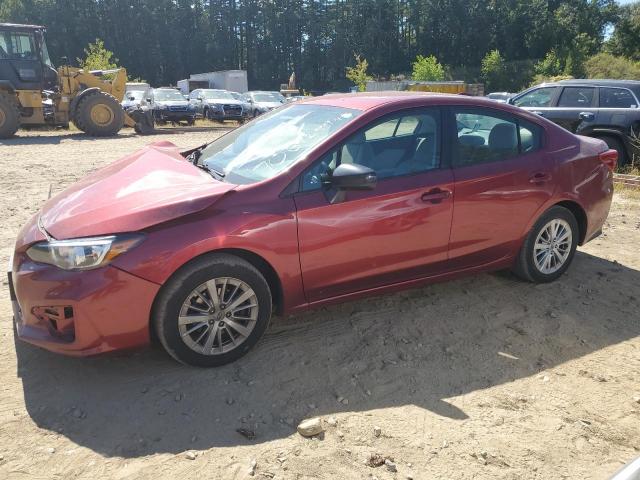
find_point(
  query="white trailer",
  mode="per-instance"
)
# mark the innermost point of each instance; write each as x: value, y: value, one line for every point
x: 232, y: 80
x: 188, y: 85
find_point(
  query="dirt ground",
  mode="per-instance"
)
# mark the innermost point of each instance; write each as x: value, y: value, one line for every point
x: 484, y: 377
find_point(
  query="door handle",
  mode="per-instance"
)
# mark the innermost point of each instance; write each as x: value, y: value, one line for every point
x: 538, y: 112
x: 539, y: 178
x: 436, y: 195
x: 587, y: 116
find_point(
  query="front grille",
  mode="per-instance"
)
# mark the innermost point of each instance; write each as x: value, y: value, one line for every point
x: 232, y: 109
x: 177, y: 108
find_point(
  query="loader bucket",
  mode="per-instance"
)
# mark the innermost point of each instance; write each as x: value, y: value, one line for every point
x: 141, y: 120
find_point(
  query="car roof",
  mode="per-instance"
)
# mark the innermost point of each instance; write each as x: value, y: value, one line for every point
x: 633, y: 85
x: 20, y: 27
x: 600, y: 82
x: 369, y: 100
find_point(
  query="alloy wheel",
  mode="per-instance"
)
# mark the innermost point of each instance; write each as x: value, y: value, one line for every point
x: 552, y: 246
x: 218, y: 316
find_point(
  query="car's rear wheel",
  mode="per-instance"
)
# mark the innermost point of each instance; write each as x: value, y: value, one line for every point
x: 212, y: 311
x: 549, y: 248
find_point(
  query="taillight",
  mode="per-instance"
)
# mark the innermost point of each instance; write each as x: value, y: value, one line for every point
x: 610, y: 159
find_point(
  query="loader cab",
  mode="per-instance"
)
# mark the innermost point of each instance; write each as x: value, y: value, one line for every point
x: 24, y: 59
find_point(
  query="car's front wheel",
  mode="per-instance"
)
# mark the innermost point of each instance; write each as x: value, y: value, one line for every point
x: 549, y: 248
x: 212, y: 311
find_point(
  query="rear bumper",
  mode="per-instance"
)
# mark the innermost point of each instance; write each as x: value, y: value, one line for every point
x: 79, y: 313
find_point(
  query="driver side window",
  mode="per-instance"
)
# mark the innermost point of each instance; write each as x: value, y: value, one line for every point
x: 400, y: 144
x: 540, y: 97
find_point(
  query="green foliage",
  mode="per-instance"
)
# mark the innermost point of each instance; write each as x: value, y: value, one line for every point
x: 358, y: 73
x: 166, y: 40
x: 550, y: 65
x: 605, y: 65
x: 97, y: 57
x: 427, y: 69
x: 494, y: 72
x: 625, y: 40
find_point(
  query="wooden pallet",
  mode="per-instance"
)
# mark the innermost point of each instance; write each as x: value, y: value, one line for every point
x: 628, y: 180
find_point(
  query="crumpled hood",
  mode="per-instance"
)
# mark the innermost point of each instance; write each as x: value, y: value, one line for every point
x: 150, y: 186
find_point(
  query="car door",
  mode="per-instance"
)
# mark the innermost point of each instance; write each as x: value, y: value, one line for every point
x: 396, y: 232
x: 576, y: 108
x: 502, y: 178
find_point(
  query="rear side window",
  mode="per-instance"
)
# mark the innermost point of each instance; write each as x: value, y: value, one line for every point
x: 576, y: 97
x: 540, y: 97
x: 616, y: 98
x: 484, y: 137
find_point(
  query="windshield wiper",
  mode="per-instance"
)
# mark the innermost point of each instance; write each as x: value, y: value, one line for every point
x: 212, y: 171
x: 215, y: 172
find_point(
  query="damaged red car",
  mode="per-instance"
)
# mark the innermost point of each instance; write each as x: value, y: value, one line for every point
x: 319, y: 201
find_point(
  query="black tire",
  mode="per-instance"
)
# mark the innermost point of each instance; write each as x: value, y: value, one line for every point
x: 112, y: 123
x: 180, y: 286
x: 9, y: 116
x: 617, y: 145
x: 525, y: 266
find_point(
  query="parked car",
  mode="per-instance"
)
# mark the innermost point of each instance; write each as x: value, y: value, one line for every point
x: 169, y: 105
x: 246, y: 104
x: 502, y: 97
x: 262, y: 102
x: 604, y: 109
x: 219, y: 105
x: 326, y: 200
x: 133, y: 100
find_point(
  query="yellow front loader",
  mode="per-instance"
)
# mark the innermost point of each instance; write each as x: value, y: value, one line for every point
x: 33, y: 93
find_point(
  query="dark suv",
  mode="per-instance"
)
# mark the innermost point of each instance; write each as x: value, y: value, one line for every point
x: 605, y: 109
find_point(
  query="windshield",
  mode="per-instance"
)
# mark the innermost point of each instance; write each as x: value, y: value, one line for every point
x: 267, y: 97
x: 217, y: 95
x: 18, y: 46
x: 273, y: 142
x: 168, y: 95
x: 136, y: 94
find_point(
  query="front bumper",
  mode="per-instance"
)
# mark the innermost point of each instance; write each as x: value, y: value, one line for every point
x: 174, y: 116
x: 79, y: 313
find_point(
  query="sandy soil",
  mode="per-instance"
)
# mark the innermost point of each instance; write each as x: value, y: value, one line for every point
x: 485, y: 377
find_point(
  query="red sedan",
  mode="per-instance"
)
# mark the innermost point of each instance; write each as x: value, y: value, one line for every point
x: 316, y: 202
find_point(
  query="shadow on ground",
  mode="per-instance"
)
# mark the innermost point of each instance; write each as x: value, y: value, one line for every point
x: 55, y: 139
x: 418, y: 347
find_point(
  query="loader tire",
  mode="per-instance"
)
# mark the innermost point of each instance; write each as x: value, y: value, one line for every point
x: 9, y: 116
x: 99, y: 115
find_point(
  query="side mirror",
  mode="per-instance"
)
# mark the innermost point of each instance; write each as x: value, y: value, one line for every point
x: 149, y: 99
x: 351, y: 176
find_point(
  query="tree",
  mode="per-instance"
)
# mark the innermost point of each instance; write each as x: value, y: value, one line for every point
x: 427, y: 69
x: 494, y: 71
x: 625, y: 40
x: 358, y: 73
x: 605, y: 65
x: 97, y: 57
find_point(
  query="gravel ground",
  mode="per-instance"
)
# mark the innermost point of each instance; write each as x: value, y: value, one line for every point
x: 484, y: 377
